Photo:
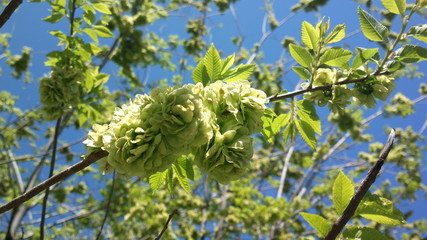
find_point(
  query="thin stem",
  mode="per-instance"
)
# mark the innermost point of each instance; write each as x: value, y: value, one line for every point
x: 361, y: 191
x: 167, y: 223
x: 52, y: 167
x: 107, y: 208
x: 73, y: 12
x: 91, y: 158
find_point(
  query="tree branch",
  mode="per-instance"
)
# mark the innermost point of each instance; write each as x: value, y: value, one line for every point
x: 93, y: 157
x: 8, y: 11
x: 320, y: 88
x: 167, y: 223
x: 360, y: 193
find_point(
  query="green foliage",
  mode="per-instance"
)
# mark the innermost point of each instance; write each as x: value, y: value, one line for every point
x: 342, y: 192
x: 371, y: 27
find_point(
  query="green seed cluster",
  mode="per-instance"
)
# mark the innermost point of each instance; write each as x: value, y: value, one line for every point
x: 213, y: 123
x: 60, y: 91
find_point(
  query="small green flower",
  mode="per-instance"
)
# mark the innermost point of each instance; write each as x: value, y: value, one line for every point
x: 377, y: 87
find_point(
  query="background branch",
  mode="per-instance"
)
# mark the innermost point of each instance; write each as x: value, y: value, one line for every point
x: 93, y: 157
x: 8, y: 11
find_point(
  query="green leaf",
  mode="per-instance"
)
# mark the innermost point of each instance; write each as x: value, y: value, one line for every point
x: 156, y: 180
x: 302, y: 72
x: 336, y: 57
x: 290, y: 132
x: 103, y: 31
x: 337, y: 34
x: 54, y: 18
x: 371, y: 27
x: 200, y: 74
x: 306, y: 132
x: 317, y: 222
x: 227, y: 63
x: 213, y: 63
x: 380, y: 210
x: 241, y: 72
x: 301, y: 55
x: 411, y: 54
x: 267, y: 121
x: 356, y: 232
x: 342, y: 192
x: 280, y: 122
x: 89, y: 16
x: 101, y: 7
x: 363, y: 55
x: 169, y: 179
x: 91, y: 33
x: 186, y: 163
x: 419, y: 32
x: 395, y: 6
x: 308, y: 113
x: 181, y: 175
x: 309, y: 35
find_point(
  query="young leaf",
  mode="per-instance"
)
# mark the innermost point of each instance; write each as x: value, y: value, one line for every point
x: 363, y: 55
x: 380, y: 210
x: 101, y: 7
x: 342, y: 192
x: 411, y: 54
x: 317, y: 222
x: 306, y: 132
x: 54, y: 18
x: 213, y: 63
x: 337, y: 34
x: 91, y: 33
x: 186, y: 163
x: 336, y: 57
x: 371, y: 27
x: 354, y: 232
x: 395, y: 6
x: 280, y: 122
x: 169, y: 179
x: 200, y: 74
x: 301, y: 55
x: 227, y: 63
x: 308, y: 113
x: 241, y: 72
x: 181, y: 175
x: 290, y: 132
x: 267, y: 121
x: 419, y: 32
x: 156, y: 180
x: 309, y: 35
x: 302, y: 72
x: 103, y: 31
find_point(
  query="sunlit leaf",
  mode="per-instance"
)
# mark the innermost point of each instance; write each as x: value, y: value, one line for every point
x: 411, y: 54
x: 280, y: 122
x: 363, y: 55
x: 317, y: 222
x: 242, y: 72
x: 156, y: 180
x: 54, y: 18
x: 101, y: 7
x: 342, y: 192
x: 227, y: 63
x: 302, y: 72
x: 371, y: 27
x: 213, y: 63
x: 380, y: 210
x: 419, y: 32
x: 337, y: 34
x: 301, y: 55
x: 336, y: 57
x: 308, y: 114
x: 306, y: 132
x: 309, y: 35
x: 395, y: 6
x: 103, y: 31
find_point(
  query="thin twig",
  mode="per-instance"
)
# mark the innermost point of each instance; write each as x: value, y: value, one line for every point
x: 8, y: 11
x: 361, y: 191
x: 52, y: 167
x: 320, y: 88
x: 167, y: 223
x: 93, y: 157
x: 107, y: 207
x: 107, y: 57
